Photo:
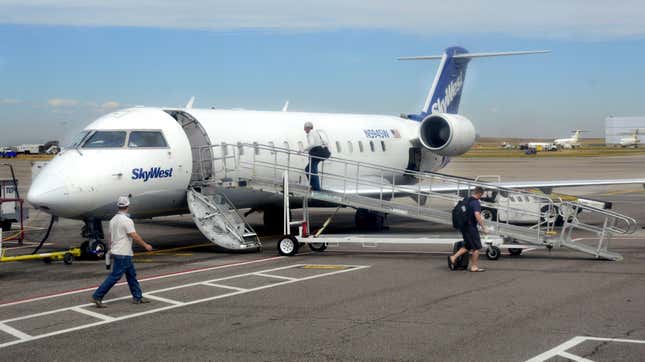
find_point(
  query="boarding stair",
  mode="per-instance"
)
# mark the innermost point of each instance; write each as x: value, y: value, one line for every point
x: 425, y: 196
x: 217, y: 218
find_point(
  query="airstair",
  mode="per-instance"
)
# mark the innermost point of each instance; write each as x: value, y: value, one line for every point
x: 418, y: 195
x: 217, y: 218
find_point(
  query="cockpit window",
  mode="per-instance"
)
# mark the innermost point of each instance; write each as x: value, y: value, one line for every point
x: 78, y: 139
x: 146, y: 139
x: 105, y: 139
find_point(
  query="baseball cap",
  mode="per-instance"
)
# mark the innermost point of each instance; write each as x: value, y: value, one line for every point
x: 309, y: 125
x: 123, y: 201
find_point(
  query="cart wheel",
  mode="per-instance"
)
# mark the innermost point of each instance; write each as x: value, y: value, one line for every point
x: 493, y: 252
x: 318, y: 246
x: 68, y: 258
x: 288, y: 246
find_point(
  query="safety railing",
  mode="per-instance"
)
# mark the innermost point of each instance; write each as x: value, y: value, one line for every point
x: 382, y: 184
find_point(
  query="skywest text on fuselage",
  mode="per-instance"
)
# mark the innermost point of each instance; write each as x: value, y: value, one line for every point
x: 155, y: 172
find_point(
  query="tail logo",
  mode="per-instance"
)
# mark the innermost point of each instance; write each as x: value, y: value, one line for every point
x: 452, y: 91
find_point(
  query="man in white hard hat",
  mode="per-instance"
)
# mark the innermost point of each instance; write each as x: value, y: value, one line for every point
x: 318, y: 151
x: 121, y: 235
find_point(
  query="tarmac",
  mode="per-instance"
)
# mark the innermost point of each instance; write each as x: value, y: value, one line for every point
x: 347, y: 303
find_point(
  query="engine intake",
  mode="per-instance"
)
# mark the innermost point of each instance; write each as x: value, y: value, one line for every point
x: 447, y: 134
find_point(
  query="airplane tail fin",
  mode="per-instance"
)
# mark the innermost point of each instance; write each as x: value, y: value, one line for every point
x: 445, y: 93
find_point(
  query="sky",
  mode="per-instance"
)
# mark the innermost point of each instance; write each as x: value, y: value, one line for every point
x: 65, y: 63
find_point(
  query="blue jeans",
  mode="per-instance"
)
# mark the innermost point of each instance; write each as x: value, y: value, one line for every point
x: 314, y: 180
x: 122, y: 265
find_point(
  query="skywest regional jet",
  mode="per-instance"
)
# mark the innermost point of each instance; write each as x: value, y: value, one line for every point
x: 145, y: 152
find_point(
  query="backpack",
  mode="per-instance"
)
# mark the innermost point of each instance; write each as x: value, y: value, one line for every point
x: 460, y: 214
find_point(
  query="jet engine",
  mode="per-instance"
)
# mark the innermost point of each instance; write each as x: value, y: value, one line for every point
x: 447, y: 134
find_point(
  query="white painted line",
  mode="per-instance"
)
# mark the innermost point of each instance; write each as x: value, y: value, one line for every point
x: 14, y: 332
x: 573, y: 357
x: 561, y: 349
x: 347, y: 268
x: 224, y: 286
x: 165, y: 300
x: 619, y: 340
x: 163, y: 276
x: 557, y: 350
x: 92, y: 314
x: 274, y: 276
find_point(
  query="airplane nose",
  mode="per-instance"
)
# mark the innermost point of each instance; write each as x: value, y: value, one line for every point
x: 47, y: 191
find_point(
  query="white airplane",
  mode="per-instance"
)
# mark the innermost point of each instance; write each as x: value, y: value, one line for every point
x: 147, y: 153
x: 632, y: 141
x: 571, y: 142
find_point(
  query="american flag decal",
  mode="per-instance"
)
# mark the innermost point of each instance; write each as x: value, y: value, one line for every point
x: 395, y: 133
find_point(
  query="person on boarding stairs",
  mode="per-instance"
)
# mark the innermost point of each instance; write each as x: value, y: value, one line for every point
x: 472, y: 241
x: 318, y: 151
x: 121, y: 235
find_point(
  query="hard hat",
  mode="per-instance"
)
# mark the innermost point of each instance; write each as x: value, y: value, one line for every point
x: 123, y: 201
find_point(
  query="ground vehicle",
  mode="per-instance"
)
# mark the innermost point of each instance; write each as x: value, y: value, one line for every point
x: 28, y: 149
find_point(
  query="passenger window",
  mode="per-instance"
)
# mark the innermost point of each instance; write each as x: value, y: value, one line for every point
x: 149, y: 139
x: 383, y: 145
x: 372, y: 148
x: 256, y: 148
x: 512, y: 198
x: 350, y: 148
x: 360, y: 146
x: 338, y: 147
x: 106, y: 139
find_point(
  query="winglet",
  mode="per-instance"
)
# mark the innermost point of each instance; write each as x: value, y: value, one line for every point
x: 189, y: 105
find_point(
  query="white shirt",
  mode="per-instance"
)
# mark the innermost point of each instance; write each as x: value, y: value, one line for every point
x: 314, y: 140
x: 120, y: 226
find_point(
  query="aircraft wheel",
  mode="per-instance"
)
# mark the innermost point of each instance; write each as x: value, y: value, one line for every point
x: 493, y: 252
x: 318, y: 246
x: 98, y: 249
x: 68, y: 258
x: 288, y: 246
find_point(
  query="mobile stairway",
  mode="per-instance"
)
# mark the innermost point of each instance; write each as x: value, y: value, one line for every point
x: 219, y: 169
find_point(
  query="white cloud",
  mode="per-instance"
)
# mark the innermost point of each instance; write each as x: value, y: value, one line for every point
x: 547, y: 18
x: 9, y: 101
x: 62, y: 102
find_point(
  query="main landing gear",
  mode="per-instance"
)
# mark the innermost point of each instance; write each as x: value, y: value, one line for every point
x: 94, y: 247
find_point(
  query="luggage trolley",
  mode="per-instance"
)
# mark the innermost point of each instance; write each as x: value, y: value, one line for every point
x: 289, y: 244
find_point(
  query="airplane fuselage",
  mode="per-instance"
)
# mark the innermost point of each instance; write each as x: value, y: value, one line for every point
x: 83, y: 182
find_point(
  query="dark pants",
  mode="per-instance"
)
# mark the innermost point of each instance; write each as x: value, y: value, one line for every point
x: 122, y: 265
x: 314, y: 180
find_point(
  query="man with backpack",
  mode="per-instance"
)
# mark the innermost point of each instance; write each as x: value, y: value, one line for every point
x: 466, y: 216
x: 318, y: 151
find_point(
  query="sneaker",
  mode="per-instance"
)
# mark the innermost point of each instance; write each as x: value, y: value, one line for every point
x: 98, y: 303
x: 140, y: 301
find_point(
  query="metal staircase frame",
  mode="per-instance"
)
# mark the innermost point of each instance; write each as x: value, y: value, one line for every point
x: 379, y: 188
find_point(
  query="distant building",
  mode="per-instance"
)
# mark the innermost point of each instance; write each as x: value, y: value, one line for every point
x: 617, y: 128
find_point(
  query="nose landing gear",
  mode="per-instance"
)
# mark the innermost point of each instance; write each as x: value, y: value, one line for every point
x: 95, y: 247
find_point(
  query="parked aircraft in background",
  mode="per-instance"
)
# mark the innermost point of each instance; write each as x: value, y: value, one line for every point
x: 632, y: 141
x: 571, y: 142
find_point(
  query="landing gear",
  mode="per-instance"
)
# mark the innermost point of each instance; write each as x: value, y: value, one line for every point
x: 489, y: 215
x: 288, y: 246
x: 95, y: 247
x: 370, y: 220
x: 273, y: 219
